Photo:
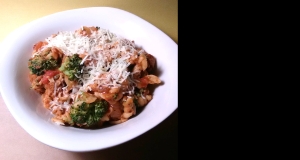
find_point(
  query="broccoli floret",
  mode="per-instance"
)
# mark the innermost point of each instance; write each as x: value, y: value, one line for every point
x: 88, y: 114
x: 38, y: 65
x: 72, y: 67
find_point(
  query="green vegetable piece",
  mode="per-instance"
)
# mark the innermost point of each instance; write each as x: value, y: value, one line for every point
x: 72, y: 67
x: 87, y: 114
x: 38, y: 65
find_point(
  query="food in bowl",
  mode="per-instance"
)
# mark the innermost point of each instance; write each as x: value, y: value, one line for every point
x: 90, y: 77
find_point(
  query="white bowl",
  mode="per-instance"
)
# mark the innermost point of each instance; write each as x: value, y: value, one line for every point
x: 26, y: 107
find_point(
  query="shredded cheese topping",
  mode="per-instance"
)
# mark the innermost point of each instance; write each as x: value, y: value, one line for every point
x: 106, y: 53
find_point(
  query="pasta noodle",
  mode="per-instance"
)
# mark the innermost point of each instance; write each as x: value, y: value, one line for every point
x: 90, y: 77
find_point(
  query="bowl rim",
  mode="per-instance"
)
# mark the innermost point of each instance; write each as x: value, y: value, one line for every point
x: 11, y: 37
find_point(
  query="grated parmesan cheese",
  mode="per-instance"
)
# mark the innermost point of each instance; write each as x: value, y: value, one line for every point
x: 105, y: 62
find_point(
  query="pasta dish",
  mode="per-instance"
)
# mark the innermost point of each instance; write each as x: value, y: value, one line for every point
x: 91, y: 76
